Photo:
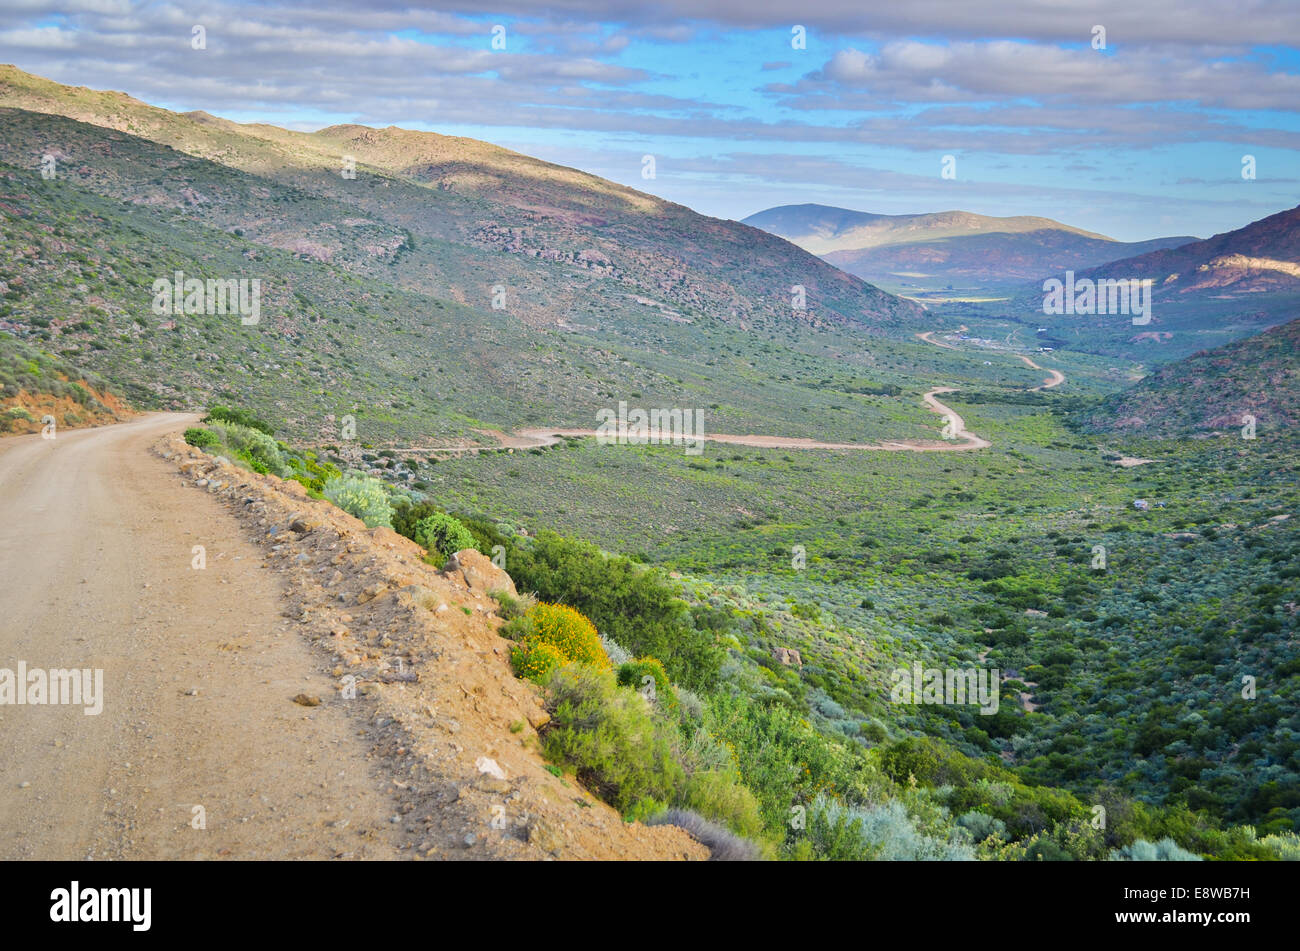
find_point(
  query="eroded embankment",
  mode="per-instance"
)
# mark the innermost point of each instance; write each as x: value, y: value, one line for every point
x: 416, y: 658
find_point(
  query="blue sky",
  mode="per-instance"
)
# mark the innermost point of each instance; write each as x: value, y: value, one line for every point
x: 1142, y: 138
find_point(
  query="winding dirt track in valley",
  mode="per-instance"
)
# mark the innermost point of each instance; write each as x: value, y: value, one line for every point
x: 962, y: 440
x: 1055, y: 377
x: 537, y: 437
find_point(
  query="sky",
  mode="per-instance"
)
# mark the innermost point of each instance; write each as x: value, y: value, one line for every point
x: 1131, y: 118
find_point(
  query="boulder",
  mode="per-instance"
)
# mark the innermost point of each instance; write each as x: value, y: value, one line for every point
x: 478, y: 573
x: 788, y: 656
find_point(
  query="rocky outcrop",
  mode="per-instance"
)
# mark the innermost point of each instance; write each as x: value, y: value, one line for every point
x: 788, y: 656
x: 476, y: 571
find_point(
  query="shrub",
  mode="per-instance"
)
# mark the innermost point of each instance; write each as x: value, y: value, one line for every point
x: 442, y: 535
x: 201, y: 438
x: 718, y: 795
x: 884, y: 832
x: 634, y: 673
x: 1166, y: 850
x: 608, y: 738
x: 617, y: 653
x: 240, y: 417
x: 723, y: 846
x: 981, y: 826
x: 311, y: 472
x: 254, y: 447
x: 569, y: 632
x: 1285, y: 844
x: 535, y: 660
x: 510, y: 607
x: 361, y: 496
x: 628, y: 602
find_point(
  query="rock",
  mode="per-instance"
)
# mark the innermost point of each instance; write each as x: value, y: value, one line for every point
x: 306, y: 701
x: 538, y: 718
x: 545, y: 835
x: 302, y: 526
x: 478, y: 573
x: 489, y: 766
x: 470, y: 839
x: 787, y: 656
x: 370, y: 593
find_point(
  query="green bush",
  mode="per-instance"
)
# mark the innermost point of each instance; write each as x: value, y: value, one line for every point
x: 718, y: 795
x: 361, y: 496
x: 240, y: 417
x: 201, y: 438
x: 511, y: 608
x: 1166, y: 850
x: 634, y: 673
x: 253, y: 447
x: 608, y: 738
x: 311, y: 472
x: 629, y: 603
x: 868, y: 832
x: 442, y: 535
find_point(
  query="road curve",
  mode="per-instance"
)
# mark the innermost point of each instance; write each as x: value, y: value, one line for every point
x: 1054, y: 377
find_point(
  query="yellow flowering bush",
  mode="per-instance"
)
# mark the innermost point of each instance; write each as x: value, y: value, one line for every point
x: 534, y: 659
x: 570, y: 633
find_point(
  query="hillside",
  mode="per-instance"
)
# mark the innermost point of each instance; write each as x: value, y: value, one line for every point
x: 35, y: 385
x: 563, y: 241
x: 945, y: 250
x: 1202, y: 295
x: 1211, y: 391
x: 1264, y: 256
x: 450, y: 288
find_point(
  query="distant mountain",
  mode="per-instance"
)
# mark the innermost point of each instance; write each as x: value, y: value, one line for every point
x: 1212, y: 391
x: 1262, y: 257
x: 950, y: 249
x: 1203, y: 294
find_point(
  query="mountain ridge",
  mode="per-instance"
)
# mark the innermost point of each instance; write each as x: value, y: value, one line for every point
x: 946, y: 249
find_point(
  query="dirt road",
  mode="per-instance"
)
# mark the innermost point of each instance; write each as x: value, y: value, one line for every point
x: 957, y: 440
x: 199, y: 668
x: 960, y: 439
x: 1054, y: 378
